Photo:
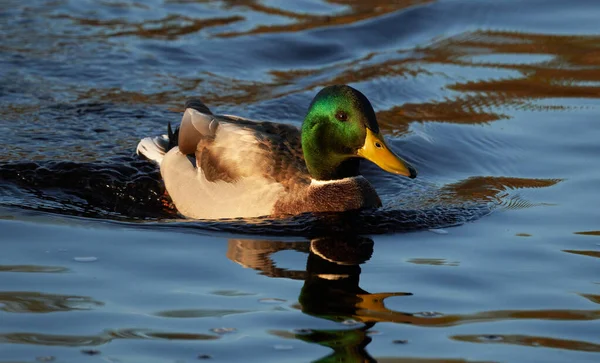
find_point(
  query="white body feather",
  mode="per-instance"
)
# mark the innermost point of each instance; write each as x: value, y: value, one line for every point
x: 152, y: 148
x: 196, y: 197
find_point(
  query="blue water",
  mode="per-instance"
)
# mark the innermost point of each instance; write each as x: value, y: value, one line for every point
x: 491, y: 254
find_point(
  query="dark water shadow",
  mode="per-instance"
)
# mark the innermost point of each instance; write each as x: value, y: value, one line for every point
x: 129, y: 191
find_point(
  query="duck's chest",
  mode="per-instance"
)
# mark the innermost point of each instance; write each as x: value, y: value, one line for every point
x: 329, y: 196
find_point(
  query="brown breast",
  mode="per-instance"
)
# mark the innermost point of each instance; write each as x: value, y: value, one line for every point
x: 331, y: 196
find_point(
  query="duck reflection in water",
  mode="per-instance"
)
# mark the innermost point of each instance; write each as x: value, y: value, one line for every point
x: 331, y: 290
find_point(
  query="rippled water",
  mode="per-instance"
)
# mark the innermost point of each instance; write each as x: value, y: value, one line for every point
x: 494, y: 102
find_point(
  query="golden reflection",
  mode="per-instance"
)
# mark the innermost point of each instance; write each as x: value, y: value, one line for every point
x: 514, y: 69
x: 256, y: 254
x: 593, y: 298
x: 571, y: 61
x: 398, y: 118
x: 169, y: 27
x: 584, y: 253
x: 359, y: 10
x: 331, y: 291
x: 174, y: 25
x: 482, y: 188
x: 589, y: 233
x: 530, y: 341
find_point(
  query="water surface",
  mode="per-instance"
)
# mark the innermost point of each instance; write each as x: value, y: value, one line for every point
x: 491, y: 254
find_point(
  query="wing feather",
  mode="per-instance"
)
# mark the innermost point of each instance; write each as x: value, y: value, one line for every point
x: 228, y: 148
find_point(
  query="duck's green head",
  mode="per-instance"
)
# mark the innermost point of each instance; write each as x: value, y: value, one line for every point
x: 340, y: 127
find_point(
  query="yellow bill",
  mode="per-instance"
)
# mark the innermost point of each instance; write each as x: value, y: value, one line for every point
x: 376, y: 150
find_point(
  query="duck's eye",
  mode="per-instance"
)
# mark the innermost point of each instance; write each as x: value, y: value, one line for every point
x: 341, y: 116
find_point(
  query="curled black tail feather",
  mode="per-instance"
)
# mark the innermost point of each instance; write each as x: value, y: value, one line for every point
x: 173, y: 137
x: 196, y: 104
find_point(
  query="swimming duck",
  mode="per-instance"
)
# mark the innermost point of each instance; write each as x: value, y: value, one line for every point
x: 227, y: 166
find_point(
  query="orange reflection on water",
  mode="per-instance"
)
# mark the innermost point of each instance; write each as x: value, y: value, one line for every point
x: 331, y: 291
x: 358, y: 10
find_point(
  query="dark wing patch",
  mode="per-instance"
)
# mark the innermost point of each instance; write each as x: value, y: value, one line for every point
x: 283, y: 142
x: 284, y: 161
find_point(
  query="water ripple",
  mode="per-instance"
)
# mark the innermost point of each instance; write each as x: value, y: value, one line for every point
x: 531, y: 341
x: 33, y: 269
x: 199, y: 313
x: 100, y: 339
x: 496, y: 104
x: 35, y: 302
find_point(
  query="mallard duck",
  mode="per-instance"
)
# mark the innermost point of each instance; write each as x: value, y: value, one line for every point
x: 227, y: 166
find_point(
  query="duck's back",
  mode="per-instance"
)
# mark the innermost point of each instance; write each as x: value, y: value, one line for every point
x: 227, y: 166
x: 241, y: 148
